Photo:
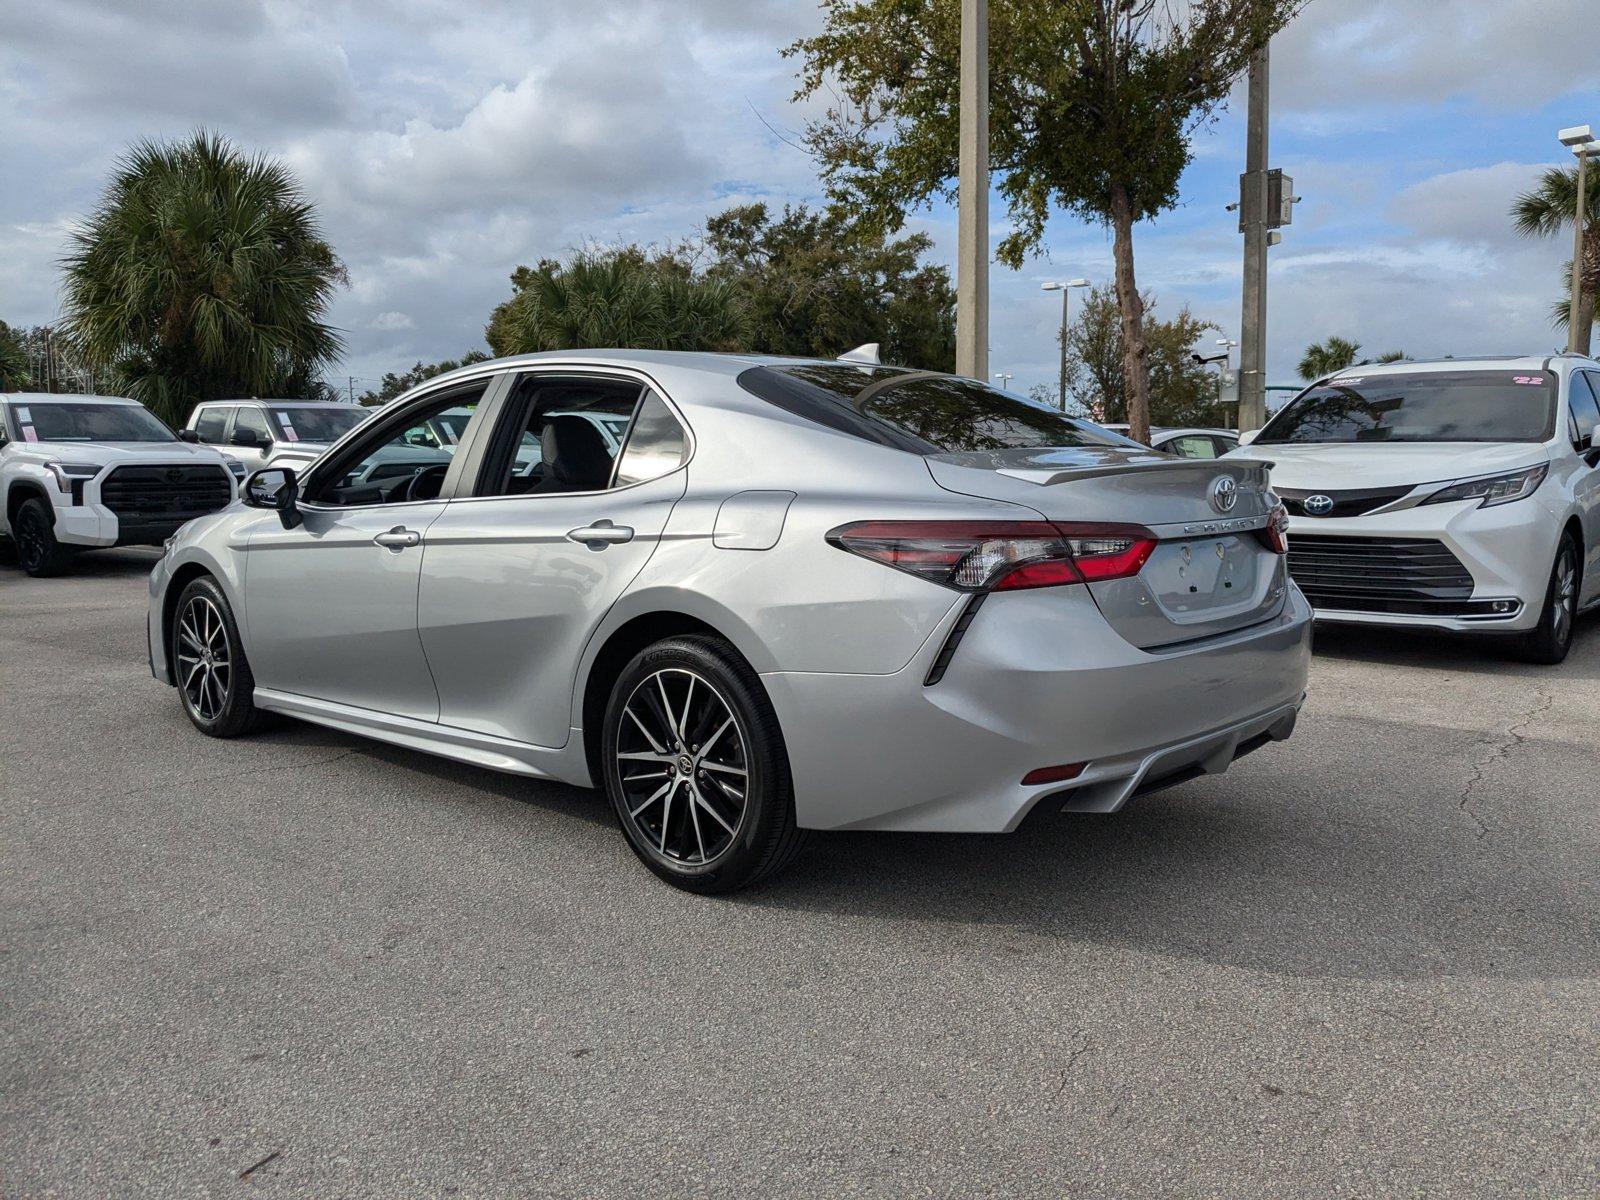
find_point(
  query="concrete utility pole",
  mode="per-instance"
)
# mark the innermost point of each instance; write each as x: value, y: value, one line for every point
x: 1253, y: 216
x: 972, y: 255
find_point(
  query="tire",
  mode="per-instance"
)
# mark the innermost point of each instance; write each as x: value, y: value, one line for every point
x: 213, y: 676
x: 38, y: 552
x: 1547, y: 642
x: 678, y: 798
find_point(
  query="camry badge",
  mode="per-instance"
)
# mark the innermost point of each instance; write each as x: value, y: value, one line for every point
x: 1318, y: 505
x: 1224, y: 493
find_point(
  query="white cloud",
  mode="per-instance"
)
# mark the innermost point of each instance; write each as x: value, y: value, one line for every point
x: 391, y: 321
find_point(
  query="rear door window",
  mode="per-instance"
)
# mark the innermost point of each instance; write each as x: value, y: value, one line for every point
x: 212, y: 424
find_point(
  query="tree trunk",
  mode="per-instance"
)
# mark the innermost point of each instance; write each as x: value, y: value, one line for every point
x: 1135, y: 372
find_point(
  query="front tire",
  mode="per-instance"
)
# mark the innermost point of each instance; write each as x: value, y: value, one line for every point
x: 695, y: 767
x: 213, y: 675
x: 1547, y: 642
x: 38, y: 552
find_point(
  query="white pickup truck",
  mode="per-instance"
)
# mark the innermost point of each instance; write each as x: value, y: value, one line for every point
x: 78, y: 472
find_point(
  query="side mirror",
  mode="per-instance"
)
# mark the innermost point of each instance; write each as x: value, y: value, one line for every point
x: 249, y: 437
x: 275, y: 488
x: 1248, y: 436
x: 190, y: 436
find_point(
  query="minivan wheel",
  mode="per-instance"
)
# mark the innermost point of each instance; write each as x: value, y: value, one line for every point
x: 696, y: 769
x: 213, y: 675
x: 38, y: 552
x: 1549, y: 640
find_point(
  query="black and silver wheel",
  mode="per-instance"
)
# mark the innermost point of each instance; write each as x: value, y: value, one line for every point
x: 38, y: 552
x: 212, y: 674
x: 696, y: 769
x: 1549, y: 640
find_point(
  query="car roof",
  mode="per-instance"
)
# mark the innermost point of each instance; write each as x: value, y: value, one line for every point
x: 1484, y: 362
x: 38, y: 398
x: 702, y: 361
x: 270, y: 403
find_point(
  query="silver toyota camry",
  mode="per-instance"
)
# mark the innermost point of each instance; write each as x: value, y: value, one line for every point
x: 750, y: 597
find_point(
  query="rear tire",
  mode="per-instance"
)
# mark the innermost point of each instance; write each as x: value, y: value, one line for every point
x: 213, y: 675
x: 1547, y: 642
x: 695, y: 767
x: 38, y: 552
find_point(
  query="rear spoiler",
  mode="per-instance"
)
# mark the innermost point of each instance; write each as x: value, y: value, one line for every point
x: 1045, y: 478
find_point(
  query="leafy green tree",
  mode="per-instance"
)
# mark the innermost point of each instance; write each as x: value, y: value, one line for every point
x: 810, y: 284
x: 1093, y: 103
x: 1546, y: 211
x: 626, y: 299
x: 1324, y: 358
x: 1182, y: 392
x: 202, y: 274
x: 16, y: 372
x: 393, y: 385
x: 1391, y: 356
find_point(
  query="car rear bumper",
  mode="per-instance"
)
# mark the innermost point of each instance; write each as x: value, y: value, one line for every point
x: 1039, y: 679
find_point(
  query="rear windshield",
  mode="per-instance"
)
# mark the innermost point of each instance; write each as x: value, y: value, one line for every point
x: 58, y: 422
x: 1443, y: 406
x: 319, y: 424
x: 922, y: 412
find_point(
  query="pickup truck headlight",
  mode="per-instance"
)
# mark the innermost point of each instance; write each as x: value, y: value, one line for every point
x: 65, y: 473
x: 1493, y: 489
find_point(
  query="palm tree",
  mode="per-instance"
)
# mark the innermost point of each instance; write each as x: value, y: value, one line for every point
x: 16, y: 372
x: 1548, y: 210
x: 1324, y: 358
x: 617, y: 299
x: 202, y: 274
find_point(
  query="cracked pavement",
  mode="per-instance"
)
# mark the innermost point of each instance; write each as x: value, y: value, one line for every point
x: 1362, y: 962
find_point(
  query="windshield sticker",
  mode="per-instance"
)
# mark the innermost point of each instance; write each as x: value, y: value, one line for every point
x: 24, y: 416
x: 28, y: 434
x: 288, y: 432
x: 1531, y: 380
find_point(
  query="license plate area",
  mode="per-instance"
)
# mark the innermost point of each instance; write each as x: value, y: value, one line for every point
x: 1210, y: 577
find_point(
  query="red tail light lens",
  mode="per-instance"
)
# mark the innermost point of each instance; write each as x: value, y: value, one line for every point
x: 999, y: 556
x: 1276, y: 534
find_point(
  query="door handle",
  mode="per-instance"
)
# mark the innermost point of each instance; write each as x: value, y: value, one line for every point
x: 398, y: 538
x: 601, y: 534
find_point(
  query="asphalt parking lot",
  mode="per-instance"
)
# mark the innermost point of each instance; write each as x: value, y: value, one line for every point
x: 1364, y: 962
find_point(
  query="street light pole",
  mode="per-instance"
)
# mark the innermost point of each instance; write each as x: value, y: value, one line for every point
x: 972, y: 196
x: 1253, y: 201
x: 1065, y: 288
x: 1582, y: 141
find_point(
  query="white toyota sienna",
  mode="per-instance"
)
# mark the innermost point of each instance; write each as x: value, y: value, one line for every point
x: 1460, y: 495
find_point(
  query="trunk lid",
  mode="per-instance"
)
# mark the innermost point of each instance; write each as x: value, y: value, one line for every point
x: 1209, y: 574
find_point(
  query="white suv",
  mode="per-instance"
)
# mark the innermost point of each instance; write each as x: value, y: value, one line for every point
x: 1461, y: 495
x: 78, y: 472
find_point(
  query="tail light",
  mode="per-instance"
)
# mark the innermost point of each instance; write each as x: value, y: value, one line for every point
x: 1000, y: 556
x: 1276, y: 535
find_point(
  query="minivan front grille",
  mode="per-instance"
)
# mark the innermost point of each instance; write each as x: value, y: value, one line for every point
x: 165, y: 493
x: 1349, y: 503
x: 1388, y: 575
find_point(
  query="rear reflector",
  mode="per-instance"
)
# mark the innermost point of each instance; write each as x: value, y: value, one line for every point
x: 1054, y: 774
x: 997, y: 556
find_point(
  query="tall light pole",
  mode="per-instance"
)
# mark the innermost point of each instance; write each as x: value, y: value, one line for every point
x: 972, y: 196
x: 1065, y: 288
x: 1253, y: 219
x: 1005, y: 378
x: 1581, y: 139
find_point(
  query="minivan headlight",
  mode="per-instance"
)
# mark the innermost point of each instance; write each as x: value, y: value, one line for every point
x: 1493, y: 489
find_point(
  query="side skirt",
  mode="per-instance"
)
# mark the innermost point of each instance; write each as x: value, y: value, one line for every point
x: 566, y: 764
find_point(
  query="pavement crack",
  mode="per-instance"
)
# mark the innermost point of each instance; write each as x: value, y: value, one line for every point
x: 249, y: 1171
x: 1509, y: 739
x: 1078, y: 1052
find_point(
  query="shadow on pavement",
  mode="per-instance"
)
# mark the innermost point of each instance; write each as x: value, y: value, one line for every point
x: 1429, y: 651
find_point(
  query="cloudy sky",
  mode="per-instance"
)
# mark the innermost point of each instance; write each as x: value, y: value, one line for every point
x: 446, y: 141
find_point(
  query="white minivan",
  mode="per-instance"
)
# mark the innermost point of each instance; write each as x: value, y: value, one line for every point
x: 1461, y: 495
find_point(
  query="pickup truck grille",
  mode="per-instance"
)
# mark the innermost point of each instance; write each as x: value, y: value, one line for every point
x: 1387, y: 575
x: 165, y: 493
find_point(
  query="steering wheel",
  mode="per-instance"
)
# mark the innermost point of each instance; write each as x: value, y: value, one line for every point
x: 413, y: 486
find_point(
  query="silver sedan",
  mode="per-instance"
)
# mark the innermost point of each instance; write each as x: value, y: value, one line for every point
x: 792, y: 595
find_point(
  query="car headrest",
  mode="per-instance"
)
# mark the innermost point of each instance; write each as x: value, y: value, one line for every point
x: 575, y: 454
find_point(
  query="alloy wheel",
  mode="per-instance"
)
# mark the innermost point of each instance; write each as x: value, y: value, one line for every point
x: 30, y: 542
x: 684, y: 767
x: 205, y: 665
x: 1564, y: 595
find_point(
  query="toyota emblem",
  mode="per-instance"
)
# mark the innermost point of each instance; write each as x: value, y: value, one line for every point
x: 1318, y: 505
x: 175, y: 474
x: 1224, y: 493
